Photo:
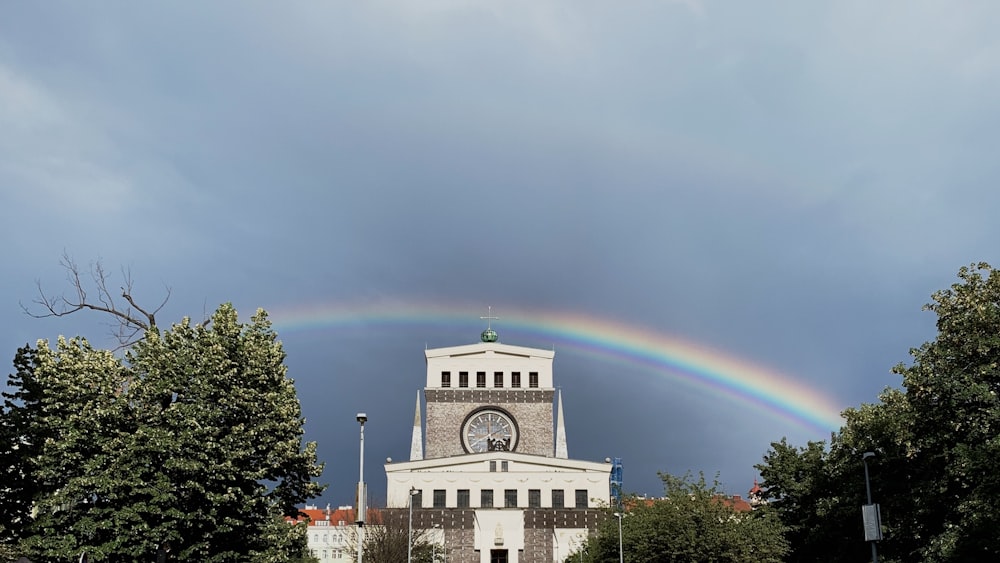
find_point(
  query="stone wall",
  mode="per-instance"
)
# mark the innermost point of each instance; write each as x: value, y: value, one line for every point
x: 539, y: 524
x: 447, y: 409
x: 537, y: 546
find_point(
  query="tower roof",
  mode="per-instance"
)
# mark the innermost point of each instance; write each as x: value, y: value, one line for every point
x: 488, y: 348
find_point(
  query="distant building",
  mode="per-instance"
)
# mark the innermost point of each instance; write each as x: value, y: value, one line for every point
x: 489, y: 473
x: 736, y: 502
x: 756, y: 495
x: 330, y: 532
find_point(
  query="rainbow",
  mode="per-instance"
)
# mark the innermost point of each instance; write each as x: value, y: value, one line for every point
x: 681, y: 361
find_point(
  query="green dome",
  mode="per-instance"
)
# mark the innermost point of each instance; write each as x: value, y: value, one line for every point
x: 488, y: 335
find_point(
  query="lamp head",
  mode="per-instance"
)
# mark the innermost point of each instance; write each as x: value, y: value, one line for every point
x: 362, y: 417
x: 867, y: 455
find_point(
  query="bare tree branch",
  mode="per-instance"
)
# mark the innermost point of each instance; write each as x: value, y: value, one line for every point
x: 131, y: 321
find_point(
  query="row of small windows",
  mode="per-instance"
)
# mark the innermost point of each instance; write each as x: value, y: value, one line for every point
x: 337, y: 538
x: 515, y: 379
x: 333, y: 554
x: 510, y: 499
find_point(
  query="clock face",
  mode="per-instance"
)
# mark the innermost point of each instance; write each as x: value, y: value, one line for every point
x: 489, y: 430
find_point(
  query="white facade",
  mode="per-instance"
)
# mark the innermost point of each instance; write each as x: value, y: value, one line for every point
x: 498, y: 472
x: 490, y: 357
x: 330, y: 533
x: 517, y: 500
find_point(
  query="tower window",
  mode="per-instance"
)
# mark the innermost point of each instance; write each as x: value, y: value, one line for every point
x: 498, y: 379
x: 463, y: 379
x: 533, y: 379
x: 486, y: 498
x: 480, y: 379
x: 503, y: 466
x: 558, y: 498
x: 493, y: 466
x: 463, y: 498
x: 445, y: 379
x: 510, y: 498
x: 534, y: 498
x: 439, y: 498
x: 581, y: 498
x: 515, y: 379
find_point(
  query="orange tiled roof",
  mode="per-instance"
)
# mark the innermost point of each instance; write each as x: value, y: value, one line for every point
x: 737, y: 503
x: 336, y: 516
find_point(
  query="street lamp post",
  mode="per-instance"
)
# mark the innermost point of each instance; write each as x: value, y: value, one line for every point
x: 434, y: 545
x: 621, y: 551
x: 870, y: 513
x: 409, y: 532
x: 360, y: 517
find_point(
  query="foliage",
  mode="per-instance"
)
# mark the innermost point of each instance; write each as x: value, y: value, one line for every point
x: 694, y: 522
x: 810, y: 500
x: 936, y: 444
x: 194, y: 438
x: 19, y: 487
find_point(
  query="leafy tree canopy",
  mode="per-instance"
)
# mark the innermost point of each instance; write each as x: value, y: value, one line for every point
x: 193, y: 439
x: 936, y: 443
x: 694, y: 522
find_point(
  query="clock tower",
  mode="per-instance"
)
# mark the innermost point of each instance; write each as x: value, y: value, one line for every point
x: 488, y: 476
x: 489, y: 397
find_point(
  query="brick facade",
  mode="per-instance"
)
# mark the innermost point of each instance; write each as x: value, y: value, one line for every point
x: 447, y: 409
x: 459, y: 530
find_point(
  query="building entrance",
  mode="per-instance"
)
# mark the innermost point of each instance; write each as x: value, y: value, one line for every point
x: 498, y: 556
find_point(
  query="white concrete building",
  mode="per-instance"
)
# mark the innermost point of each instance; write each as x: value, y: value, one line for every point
x: 490, y: 468
x: 331, y: 533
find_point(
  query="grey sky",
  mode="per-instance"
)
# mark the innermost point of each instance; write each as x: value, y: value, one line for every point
x: 786, y: 183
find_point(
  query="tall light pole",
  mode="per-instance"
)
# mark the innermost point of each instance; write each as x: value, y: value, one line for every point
x: 621, y: 551
x: 870, y: 512
x: 360, y: 516
x: 409, y: 529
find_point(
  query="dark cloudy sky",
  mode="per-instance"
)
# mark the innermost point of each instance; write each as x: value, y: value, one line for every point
x: 785, y: 183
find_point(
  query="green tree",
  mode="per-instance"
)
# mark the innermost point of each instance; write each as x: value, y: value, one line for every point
x: 936, y: 444
x: 954, y: 420
x: 194, y: 438
x: 795, y: 479
x: 694, y: 522
x: 18, y: 490
x: 818, y: 500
